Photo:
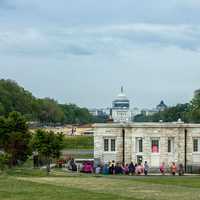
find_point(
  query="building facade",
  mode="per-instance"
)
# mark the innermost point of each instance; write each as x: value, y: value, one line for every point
x: 121, y: 108
x: 151, y: 142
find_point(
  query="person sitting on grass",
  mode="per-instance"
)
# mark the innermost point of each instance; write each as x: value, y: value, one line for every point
x: 131, y: 168
x: 118, y: 169
x: 125, y: 169
x: 88, y: 167
x: 139, y: 169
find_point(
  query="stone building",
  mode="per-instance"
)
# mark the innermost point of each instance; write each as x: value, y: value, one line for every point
x: 152, y: 142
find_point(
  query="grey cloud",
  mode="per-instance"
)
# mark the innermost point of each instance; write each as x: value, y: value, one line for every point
x: 149, y: 46
x: 98, y: 39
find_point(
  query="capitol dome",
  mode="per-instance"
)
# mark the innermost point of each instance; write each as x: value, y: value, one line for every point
x: 121, y: 101
x: 121, y: 96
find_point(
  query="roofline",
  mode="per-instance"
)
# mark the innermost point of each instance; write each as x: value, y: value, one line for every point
x: 146, y: 125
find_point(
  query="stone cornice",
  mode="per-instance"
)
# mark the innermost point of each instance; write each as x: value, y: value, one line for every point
x: 146, y: 125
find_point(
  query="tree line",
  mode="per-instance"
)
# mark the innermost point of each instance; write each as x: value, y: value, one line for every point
x: 188, y: 112
x: 15, y: 98
x: 17, y: 143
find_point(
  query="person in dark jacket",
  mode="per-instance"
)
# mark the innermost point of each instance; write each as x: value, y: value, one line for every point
x: 112, y: 167
x: 146, y: 168
x: 180, y: 170
x: 131, y: 168
x: 73, y: 165
x: 118, y: 169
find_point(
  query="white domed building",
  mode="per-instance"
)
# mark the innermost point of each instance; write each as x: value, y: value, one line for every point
x: 121, y: 108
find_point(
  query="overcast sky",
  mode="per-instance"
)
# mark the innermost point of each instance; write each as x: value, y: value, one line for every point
x: 82, y: 51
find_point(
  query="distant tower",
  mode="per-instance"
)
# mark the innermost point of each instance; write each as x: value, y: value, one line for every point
x: 122, y: 89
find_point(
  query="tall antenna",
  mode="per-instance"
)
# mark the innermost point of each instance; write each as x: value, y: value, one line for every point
x: 122, y: 89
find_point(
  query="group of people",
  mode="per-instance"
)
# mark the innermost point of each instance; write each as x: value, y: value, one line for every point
x: 173, y: 169
x: 127, y: 169
x: 136, y: 169
x: 119, y: 168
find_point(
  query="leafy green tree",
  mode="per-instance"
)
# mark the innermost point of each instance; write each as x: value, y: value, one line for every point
x: 47, y: 111
x: 15, y: 137
x: 76, y: 115
x: 194, y: 109
x: 48, y: 145
x: 171, y: 114
x: 14, y: 98
x: 4, y: 160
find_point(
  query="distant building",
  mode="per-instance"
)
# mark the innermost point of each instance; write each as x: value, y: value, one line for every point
x: 149, y: 112
x: 100, y: 112
x: 121, y: 108
x: 135, y: 111
x: 106, y: 111
x: 95, y: 112
x: 161, y: 106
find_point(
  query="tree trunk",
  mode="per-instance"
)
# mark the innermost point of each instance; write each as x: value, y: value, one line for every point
x: 48, y: 166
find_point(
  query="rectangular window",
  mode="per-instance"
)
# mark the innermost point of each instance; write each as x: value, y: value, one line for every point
x: 139, y: 145
x: 195, y: 145
x: 106, y: 145
x: 155, y: 146
x: 112, y: 144
x: 170, y: 145
x: 109, y: 145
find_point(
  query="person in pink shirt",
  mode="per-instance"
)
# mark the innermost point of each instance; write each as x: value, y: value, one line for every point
x: 162, y: 168
x: 88, y: 168
x: 139, y: 169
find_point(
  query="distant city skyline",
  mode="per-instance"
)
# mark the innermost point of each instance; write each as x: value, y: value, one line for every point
x: 83, y: 51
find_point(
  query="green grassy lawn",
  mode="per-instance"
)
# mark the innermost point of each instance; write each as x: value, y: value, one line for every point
x: 26, y: 183
x: 79, y: 142
x: 85, y: 156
